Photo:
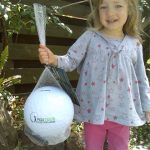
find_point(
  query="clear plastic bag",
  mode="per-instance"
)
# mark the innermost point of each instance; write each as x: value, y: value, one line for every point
x: 48, y: 111
x: 48, y: 125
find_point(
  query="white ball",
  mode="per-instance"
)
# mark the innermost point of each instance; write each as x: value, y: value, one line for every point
x: 48, y: 114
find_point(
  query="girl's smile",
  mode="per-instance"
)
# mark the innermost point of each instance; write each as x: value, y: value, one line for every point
x: 111, y: 21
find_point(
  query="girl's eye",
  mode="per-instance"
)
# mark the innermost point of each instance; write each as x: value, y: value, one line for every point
x: 118, y: 6
x: 103, y: 7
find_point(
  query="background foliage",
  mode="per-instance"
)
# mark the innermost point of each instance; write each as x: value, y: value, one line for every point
x: 20, y: 16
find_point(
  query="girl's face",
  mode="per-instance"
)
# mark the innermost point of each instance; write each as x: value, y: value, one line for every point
x: 113, y: 15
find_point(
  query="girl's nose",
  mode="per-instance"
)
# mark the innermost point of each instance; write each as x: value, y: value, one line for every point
x: 110, y: 11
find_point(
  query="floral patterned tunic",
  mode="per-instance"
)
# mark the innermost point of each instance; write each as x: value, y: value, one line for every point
x: 113, y: 84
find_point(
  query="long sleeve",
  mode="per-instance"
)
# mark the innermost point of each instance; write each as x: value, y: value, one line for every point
x: 142, y: 79
x: 76, y: 53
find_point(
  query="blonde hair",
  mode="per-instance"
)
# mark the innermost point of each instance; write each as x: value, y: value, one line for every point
x: 132, y: 26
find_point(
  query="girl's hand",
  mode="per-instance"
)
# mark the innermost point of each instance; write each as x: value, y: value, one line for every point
x: 46, y: 56
x: 148, y: 117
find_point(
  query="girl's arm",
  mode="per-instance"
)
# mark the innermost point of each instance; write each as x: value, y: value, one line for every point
x: 75, y: 54
x: 143, y: 81
x: 72, y: 59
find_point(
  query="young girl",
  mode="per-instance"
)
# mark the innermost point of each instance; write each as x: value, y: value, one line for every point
x: 113, y: 88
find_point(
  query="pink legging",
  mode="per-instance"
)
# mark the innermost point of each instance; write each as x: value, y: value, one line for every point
x: 95, y: 135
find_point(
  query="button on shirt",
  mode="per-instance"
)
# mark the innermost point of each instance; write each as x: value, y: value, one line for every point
x: 113, y: 84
